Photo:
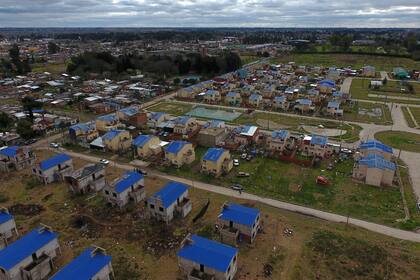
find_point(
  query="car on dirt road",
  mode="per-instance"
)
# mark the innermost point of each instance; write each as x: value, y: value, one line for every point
x: 54, y: 145
x: 104, y: 161
x: 237, y: 187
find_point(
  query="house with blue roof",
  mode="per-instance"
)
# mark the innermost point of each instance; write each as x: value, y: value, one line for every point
x: 281, y: 102
x: 185, y: 125
x: 238, y: 223
x: 178, y: 153
x: 233, y: 98
x: 16, y: 158
x: 83, y: 133
x: 129, y: 187
x: 304, y: 105
x: 333, y: 109
x: 189, y: 92
x: 246, y: 134
x: 216, y: 162
x: 31, y: 256
x: 279, y: 140
x: 170, y: 201
x: 156, y: 118
x: 92, y: 263
x: 202, y: 258
x: 316, y: 145
x: 375, y: 170
x: 53, y: 169
x: 212, y: 96
x: 132, y: 116
x: 117, y: 140
x: 255, y: 99
x: 375, y: 147
x: 107, y: 122
x: 326, y: 86
x: 145, y: 146
x: 368, y: 71
x: 8, y: 228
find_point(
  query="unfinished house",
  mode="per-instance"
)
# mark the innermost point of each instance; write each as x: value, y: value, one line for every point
x: 238, y: 223
x: 132, y: 116
x: 374, y: 170
x: 83, y: 133
x: 155, y: 119
x: 92, y: 264
x: 128, y: 188
x: 89, y: 178
x: 16, y: 158
x: 178, y: 153
x: 117, y: 141
x: 246, y: 134
x: 216, y: 162
x: 145, y: 146
x: 54, y: 169
x: 185, y: 125
x: 375, y: 147
x: 212, y: 133
x: 316, y: 145
x: 279, y: 140
x: 31, y: 256
x: 169, y: 202
x: 8, y: 228
x: 202, y: 258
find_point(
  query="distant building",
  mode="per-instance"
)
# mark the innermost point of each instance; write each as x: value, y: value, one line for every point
x: 255, y: 100
x: 280, y: 102
x: 146, y: 145
x: 375, y: 170
x: 92, y: 264
x: 132, y: 116
x: 155, y: 119
x: 333, y: 109
x: 83, y: 133
x: 16, y: 158
x: 326, y: 86
x: 185, y: 125
x: 117, y: 140
x: 304, y: 105
x: 238, y: 223
x: 54, y: 169
x: 212, y: 96
x: 316, y: 145
x: 179, y: 153
x: 171, y: 201
x: 8, y: 228
x: 400, y: 73
x: 216, y: 161
x: 233, y: 98
x: 201, y: 258
x: 107, y: 123
x: 128, y: 188
x: 31, y: 256
x: 88, y: 178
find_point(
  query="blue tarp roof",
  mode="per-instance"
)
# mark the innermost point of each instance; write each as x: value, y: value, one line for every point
x: 280, y: 134
x: 239, y: 214
x: 280, y: 98
x: 375, y: 145
x: 319, y: 140
x: 208, y: 253
x: 182, y: 120
x: 169, y: 193
x: 83, y: 126
x: 142, y: 140
x: 5, y: 217
x: 53, y: 161
x: 129, y: 179
x: 112, y: 134
x: 333, y: 104
x: 108, y: 118
x: 213, y: 154
x: 304, y: 101
x: 175, y: 146
x: 255, y: 97
x: 129, y: 111
x: 84, y: 267
x: 24, y: 247
x: 327, y: 83
x: 231, y: 94
x: 377, y: 161
x: 214, y: 124
x: 157, y: 115
x: 9, y: 151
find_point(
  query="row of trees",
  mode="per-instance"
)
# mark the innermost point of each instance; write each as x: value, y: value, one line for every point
x: 14, y: 65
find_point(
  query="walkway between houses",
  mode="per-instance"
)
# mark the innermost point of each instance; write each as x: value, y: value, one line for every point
x: 389, y: 231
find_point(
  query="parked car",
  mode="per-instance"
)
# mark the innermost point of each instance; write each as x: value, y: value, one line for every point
x: 237, y: 187
x: 236, y: 162
x: 54, y: 145
x: 104, y: 161
x: 242, y: 174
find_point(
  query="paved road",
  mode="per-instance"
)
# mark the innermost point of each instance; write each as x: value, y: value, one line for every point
x: 389, y: 231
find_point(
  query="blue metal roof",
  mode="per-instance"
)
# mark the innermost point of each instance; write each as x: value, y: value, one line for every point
x: 280, y: 134
x: 128, y: 179
x: 83, y: 126
x: 377, y: 161
x: 108, y: 118
x: 112, y: 134
x: 157, y: 115
x: 333, y: 104
x: 212, y: 92
x: 182, y: 120
x: 214, y: 124
x: 231, y: 94
x: 24, y: 247
x: 255, y: 97
x: 9, y: 151
x: 337, y: 94
x: 327, y: 83
x: 304, y: 101
x: 175, y: 146
x: 129, y: 111
x: 213, y: 154
x: 319, y: 140
x: 169, y: 193
x: 208, y: 253
x: 5, y: 217
x: 142, y: 140
x: 84, y: 267
x: 239, y: 214
x: 53, y: 161
x: 375, y: 145
x: 280, y: 98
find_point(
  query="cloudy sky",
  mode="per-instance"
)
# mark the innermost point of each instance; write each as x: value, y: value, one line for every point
x: 209, y: 13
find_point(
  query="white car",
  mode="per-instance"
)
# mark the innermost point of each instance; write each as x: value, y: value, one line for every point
x: 54, y: 145
x: 236, y: 162
x: 104, y: 161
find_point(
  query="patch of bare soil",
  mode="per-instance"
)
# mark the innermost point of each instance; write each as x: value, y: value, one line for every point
x: 26, y: 209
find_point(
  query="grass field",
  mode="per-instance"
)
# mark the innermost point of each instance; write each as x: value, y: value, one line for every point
x: 176, y: 109
x: 248, y: 59
x: 142, y: 249
x: 352, y: 113
x: 416, y: 114
x: 400, y: 139
x: 354, y: 60
x: 289, y: 182
x: 53, y: 68
x: 408, y: 117
x: 360, y: 90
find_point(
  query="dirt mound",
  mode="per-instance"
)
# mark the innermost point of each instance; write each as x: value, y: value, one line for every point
x: 162, y: 241
x: 26, y: 209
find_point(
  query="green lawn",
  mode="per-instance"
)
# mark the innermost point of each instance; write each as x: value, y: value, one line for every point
x: 416, y: 114
x: 176, y: 109
x: 408, y: 117
x: 354, y: 60
x: 248, y: 59
x: 53, y: 68
x: 351, y: 113
x: 400, y: 139
x: 289, y: 182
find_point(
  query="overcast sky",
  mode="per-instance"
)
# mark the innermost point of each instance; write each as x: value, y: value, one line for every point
x: 209, y: 13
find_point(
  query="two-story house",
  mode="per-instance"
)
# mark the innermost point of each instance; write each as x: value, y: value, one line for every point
x: 91, y: 177
x: 216, y: 161
x: 123, y: 190
x: 117, y: 141
x: 54, y: 168
x: 16, y: 158
x: 280, y: 140
x: 145, y: 146
x: 107, y: 122
x: 8, y: 228
x: 83, y: 133
x: 179, y: 153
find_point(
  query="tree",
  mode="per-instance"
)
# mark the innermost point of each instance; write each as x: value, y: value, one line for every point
x: 14, y: 53
x: 177, y: 81
x: 24, y: 129
x: 5, y: 121
x: 53, y: 48
x: 29, y: 104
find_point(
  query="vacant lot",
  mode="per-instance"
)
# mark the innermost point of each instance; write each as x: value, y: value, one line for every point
x: 173, y: 108
x: 354, y: 113
x: 416, y: 114
x: 353, y: 60
x: 400, y: 139
x: 142, y: 249
x: 406, y: 112
x: 53, y: 68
